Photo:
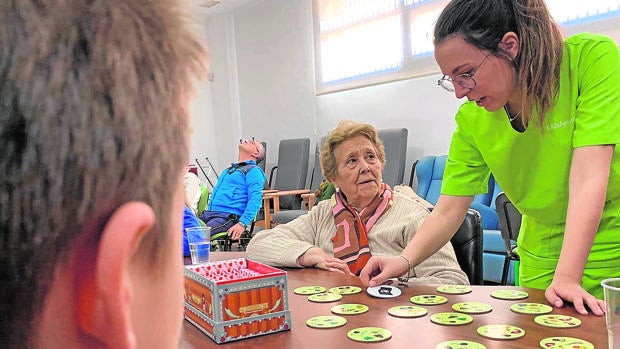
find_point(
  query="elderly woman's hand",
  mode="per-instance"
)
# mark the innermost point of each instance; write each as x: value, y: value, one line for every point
x: 316, y: 257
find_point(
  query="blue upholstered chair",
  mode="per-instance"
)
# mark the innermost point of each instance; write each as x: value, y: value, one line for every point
x: 428, y: 172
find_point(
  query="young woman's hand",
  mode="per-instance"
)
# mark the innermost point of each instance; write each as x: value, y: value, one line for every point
x: 379, y: 269
x: 562, y: 290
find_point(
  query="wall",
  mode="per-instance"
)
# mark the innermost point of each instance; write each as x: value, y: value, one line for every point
x: 263, y: 67
x: 263, y: 86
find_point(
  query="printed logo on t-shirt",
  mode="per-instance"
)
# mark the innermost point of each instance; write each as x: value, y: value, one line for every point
x: 559, y: 124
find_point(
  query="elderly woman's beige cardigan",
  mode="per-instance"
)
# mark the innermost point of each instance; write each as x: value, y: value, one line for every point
x: 282, y: 245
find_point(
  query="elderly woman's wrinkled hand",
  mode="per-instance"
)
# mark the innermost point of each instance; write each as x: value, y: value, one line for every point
x: 334, y: 264
x: 316, y: 257
x: 379, y: 269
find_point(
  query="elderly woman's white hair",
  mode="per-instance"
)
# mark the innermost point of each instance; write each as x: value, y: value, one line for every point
x: 347, y: 129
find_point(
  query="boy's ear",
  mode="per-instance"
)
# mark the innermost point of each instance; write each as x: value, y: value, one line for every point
x: 104, y: 293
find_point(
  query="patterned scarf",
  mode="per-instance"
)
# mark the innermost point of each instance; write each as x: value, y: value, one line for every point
x: 351, y: 240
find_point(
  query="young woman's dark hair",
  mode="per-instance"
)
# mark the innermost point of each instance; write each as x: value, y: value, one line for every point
x: 483, y: 24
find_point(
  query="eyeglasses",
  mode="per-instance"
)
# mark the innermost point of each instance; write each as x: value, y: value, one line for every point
x: 241, y: 140
x: 466, y: 79
x: 253, y: 141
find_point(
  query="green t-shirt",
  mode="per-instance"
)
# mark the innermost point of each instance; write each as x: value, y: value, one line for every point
x: 533, y: 167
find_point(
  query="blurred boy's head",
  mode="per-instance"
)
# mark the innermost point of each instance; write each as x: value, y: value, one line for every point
x: 94, y: 99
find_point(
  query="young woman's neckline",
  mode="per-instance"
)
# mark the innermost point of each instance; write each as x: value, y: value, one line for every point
x: 515, y: 120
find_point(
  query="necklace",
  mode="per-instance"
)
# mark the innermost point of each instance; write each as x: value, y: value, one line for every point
x: 511, y: 118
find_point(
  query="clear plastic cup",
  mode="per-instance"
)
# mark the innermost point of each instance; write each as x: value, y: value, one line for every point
x: 199, y: 240
x: 611, y: 291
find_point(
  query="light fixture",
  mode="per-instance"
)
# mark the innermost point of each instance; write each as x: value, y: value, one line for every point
x: 210, y: 3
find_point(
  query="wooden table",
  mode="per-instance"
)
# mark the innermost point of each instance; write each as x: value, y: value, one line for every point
x: 406, y: 332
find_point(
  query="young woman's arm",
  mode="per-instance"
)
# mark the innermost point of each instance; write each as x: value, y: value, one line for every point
x: 435, y: 232
x: 588, y: 180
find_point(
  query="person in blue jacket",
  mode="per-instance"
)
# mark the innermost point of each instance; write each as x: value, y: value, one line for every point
x: 238, y: 193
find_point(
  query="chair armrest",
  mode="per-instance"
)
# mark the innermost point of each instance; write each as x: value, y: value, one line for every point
x: 267, y: 209
x: 274, y: 196
x: 286, y: 192
x: 308, y: 200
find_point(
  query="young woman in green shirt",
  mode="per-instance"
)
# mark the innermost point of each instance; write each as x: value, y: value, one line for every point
x: 543, y: 116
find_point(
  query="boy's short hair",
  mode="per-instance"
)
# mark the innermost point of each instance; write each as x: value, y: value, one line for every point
x: 94, y: 101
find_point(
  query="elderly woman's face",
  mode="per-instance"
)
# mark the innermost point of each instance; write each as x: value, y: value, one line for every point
x: 358, y: 170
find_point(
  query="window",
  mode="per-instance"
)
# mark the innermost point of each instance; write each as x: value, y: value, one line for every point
x: 571, y: 13
x: 365, y: 42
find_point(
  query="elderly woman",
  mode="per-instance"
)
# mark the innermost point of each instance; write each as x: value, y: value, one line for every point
x: 363, y: 218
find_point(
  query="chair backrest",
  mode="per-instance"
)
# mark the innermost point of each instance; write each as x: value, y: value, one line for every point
x: 509, y: 221
x: 317, y: 173
x: 486, y: 199
x: 395, y: 143
x: 467, y: 243
x: 292, y: 169
x: 429, y: 173
x: 204, y: 198
x: 262, y: 163
x: 485, y: 204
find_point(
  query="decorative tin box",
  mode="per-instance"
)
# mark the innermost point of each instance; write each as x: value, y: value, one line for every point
x: 236, y: 299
